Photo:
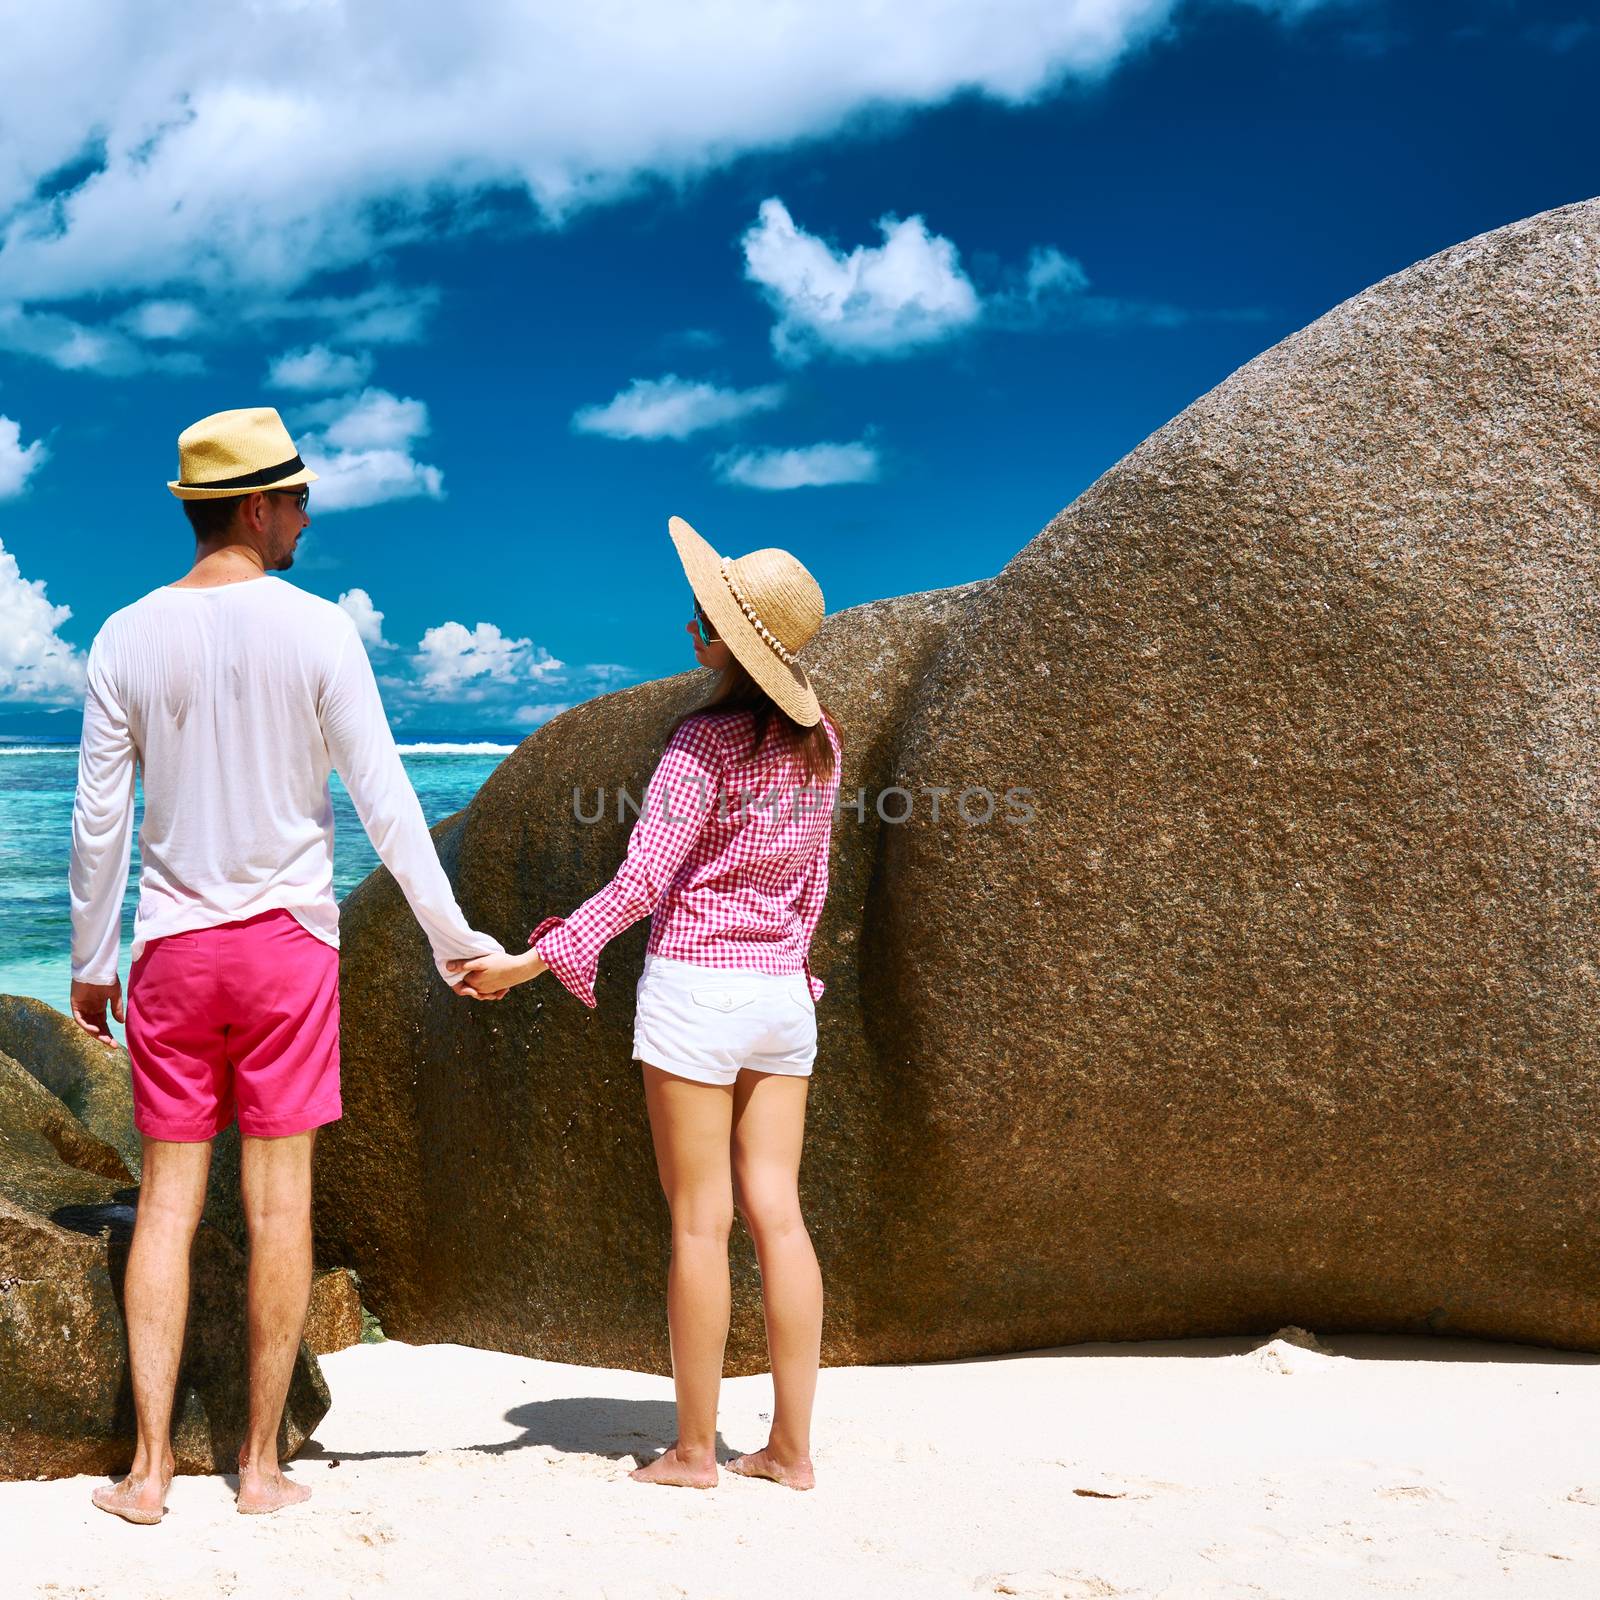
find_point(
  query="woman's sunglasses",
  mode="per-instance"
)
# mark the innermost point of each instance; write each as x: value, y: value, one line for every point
x: 708, y: 634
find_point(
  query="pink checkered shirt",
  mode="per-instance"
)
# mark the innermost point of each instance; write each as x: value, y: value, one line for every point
x: 728, y: 857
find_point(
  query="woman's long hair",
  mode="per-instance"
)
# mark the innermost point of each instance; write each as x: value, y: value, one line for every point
x: 809, y: 748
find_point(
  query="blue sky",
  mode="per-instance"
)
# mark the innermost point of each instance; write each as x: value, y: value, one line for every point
x: 885, y: 286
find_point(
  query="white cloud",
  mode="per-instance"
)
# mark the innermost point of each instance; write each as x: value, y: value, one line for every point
x: 811, y: 467
x: 302, y: 148
x: 350, y: 480
x: 387, y: 313
x: 318, y: 367
x: 673, y: 408
x: 1051, y: 287
x: 910, y: 292
x: 18, y: 462
x: 879, y: 300
x: 36, y: 663
x: 534, y: 716
x: 75, y: 347
x: 457, y: 663
x: 496, y: 675
x: 357, y: 604
x: 1051, y: 273
x: 692, y: 339
x: 606, y: 674
x: 1052, y: 291
x: 361, y: 447
x: 163, y: 319
x: 374, y: 419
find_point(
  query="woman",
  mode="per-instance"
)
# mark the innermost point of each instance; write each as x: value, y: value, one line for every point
x: 730, y: 854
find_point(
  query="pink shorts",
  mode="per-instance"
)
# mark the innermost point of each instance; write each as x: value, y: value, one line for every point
x: 241, y: 1016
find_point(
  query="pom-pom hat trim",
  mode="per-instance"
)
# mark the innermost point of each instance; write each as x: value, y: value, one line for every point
x: 766, y: 607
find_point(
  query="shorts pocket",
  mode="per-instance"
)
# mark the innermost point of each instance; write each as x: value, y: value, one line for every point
x: 724, y: 1000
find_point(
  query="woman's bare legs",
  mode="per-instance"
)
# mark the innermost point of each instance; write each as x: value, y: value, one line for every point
x: 690, y: 1124
x: 769, y: 1119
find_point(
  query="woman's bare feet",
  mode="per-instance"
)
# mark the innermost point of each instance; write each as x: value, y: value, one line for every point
x: 680, y: 1471
x: 262, y: 1492
x: 795, y: 1474
x: 141, y: 1499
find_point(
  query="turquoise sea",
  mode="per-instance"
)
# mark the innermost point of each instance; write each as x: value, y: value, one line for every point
x: 36, y: 789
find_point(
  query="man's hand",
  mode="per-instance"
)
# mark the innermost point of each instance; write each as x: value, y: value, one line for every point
x: 89, y: 1002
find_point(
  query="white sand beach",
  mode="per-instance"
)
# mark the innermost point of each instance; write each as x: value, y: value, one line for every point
x: 1163, y: 1471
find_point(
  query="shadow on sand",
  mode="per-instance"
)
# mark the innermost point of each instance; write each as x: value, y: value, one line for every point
x: 587, y: 1425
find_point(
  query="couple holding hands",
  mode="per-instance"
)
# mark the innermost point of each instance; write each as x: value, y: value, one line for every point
x: 234, y: 694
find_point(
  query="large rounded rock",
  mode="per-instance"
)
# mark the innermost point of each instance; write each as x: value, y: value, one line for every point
x: 492, y: 1179
x: 1284, y: 1009
x: 66, y: 1213
x: 91, y: 1079
x: 1280, y: 1007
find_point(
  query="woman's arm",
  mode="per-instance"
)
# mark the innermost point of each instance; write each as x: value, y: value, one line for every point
x: 683, y: 793
x: 808, y: 906
x: 489, y: 977
x: 814, y: 890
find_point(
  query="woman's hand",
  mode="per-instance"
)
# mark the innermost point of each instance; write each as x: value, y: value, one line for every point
x: 491, y: 976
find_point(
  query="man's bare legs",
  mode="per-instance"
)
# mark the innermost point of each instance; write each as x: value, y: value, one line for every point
x: 275, y: 1185
x: 769, y: 1118
x: 690, y: 1125
x: 172, y: 1195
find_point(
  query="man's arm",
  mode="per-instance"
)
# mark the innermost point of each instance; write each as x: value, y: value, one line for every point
x: 102, y: 842
x: 363, y: 753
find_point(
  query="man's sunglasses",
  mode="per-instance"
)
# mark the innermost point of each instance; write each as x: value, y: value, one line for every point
x: 708, y: 634
x: 301, y: 496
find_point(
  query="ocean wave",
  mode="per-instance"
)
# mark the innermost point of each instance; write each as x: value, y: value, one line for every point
x: 455, y: 749
x: 38, y: 749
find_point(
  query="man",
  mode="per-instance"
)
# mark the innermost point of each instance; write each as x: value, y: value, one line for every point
x: 234, y: 693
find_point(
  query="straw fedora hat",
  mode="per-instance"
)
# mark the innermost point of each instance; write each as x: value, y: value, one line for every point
x: 236, y: 452
x: 765, y: 607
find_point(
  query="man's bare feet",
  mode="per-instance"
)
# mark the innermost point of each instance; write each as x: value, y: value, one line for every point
x: 263, y: 1492
x: 796, y: 1474
x: 670, y: 1468
x: 141, y: 1499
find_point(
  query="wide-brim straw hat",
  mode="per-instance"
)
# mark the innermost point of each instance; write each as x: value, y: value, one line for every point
x: 237, y: 452
x: 765, y: 607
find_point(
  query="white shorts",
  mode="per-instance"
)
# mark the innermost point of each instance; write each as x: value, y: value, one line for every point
x: 712, y: 1023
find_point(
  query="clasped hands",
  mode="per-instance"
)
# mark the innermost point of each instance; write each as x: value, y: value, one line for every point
x: 480, y: 978
x: 493, y: 977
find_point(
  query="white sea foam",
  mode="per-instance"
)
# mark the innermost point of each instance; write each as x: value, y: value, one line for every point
x: 455, y: 749
x: 38, y: 749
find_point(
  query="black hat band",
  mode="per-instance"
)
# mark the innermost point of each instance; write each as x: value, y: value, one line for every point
x: 251, y: 480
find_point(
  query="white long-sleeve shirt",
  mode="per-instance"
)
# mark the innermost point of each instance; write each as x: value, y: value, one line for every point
x: 235, y: 702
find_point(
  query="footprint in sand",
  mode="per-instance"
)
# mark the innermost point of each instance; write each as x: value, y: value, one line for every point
x: 372, y: 1534
x: 1109, y: 1486
x: 1051, y: 1585
x: 1413, y: 1491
